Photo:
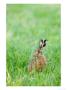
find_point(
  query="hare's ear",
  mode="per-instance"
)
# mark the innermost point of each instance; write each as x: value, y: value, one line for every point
x: 45, y: 41
x: 41, y: 42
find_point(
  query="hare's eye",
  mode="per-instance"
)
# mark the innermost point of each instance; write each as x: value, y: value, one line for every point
x: 44, y: 44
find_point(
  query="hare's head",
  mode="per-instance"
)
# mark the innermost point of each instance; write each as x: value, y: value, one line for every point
x: 42, y: 43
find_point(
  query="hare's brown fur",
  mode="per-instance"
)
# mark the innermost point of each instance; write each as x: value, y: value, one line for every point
x: 39, y: 61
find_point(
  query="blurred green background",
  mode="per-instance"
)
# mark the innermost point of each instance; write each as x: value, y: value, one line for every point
x: 26, y: 25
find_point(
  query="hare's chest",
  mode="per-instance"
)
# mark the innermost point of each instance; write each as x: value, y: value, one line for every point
x: 40, y: 61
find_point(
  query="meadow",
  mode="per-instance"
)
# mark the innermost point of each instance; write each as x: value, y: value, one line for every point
x: 26, y: 25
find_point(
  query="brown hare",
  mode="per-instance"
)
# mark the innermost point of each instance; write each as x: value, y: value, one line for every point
x: 38, y: 61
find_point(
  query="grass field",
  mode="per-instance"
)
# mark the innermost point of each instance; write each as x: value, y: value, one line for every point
x: 26, y: 25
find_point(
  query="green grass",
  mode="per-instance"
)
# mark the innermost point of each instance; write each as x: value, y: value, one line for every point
x: 26, y: 25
